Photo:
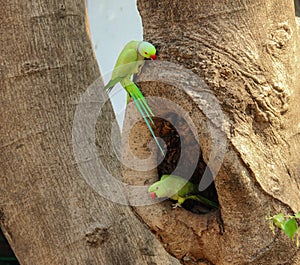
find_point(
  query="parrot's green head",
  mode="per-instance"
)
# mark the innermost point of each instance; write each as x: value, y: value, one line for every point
x: 162, y: 188
x: 157, y: 190
x: 147, y: 50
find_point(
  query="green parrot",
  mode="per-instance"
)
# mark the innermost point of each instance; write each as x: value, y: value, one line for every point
x: 177, y: 189
x: 129, y: 61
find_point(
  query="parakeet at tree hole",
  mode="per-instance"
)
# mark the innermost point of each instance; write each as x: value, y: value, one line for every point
x: 178, y: 189
x: 129, y: 61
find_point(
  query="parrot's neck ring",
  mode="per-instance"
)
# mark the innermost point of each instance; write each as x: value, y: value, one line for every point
x: 138, y: 48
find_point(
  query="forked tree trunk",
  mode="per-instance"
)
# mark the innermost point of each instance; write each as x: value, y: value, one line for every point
x: 48, y: 212
x: 248, y: 54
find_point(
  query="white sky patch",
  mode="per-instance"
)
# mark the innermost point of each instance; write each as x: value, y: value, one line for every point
x: 113, y: 23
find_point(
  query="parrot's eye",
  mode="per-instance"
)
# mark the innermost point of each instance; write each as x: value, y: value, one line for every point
x: 146, y: 52
x: 156, y: 188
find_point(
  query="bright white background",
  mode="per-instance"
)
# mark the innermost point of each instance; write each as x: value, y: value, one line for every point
x: 113, y: 23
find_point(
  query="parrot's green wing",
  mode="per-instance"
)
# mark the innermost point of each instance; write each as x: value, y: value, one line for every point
x: 188, y: 189
x: 127, y: 64
x: 124, y: 67
x: 180, y: 185
x: 111, y: 84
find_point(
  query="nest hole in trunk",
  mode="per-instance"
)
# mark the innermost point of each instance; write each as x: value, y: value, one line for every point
x: 183, y: 148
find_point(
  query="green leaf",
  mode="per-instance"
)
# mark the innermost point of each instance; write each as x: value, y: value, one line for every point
x: 279, y: 220
x: 297, y: 215
x: 290, y: 227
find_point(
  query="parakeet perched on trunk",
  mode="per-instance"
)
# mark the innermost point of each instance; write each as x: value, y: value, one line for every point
x: 129, y: 61
x: 177, y: 189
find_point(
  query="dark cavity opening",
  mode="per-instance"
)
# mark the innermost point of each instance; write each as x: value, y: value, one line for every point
x: 7, y: 256
x: 189, y: 168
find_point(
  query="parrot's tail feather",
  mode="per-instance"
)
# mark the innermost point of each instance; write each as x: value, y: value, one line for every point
x: 135, y: 93
x: 143, y: 106
x: 142, y: 98
x: 137, y: 103
x: 203, y: 200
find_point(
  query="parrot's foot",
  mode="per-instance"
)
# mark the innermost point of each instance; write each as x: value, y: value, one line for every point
x: 176, y: 205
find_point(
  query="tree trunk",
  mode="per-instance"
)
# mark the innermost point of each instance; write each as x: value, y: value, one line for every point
x: 48, y: 212
x: 248, y: 55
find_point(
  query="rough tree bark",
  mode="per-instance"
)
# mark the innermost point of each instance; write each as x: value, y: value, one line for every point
x: 248, y: 54
x: 47, y: 211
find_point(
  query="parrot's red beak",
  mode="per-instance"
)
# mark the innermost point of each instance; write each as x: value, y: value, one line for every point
x: 153, y: 57
x: 152, y: 195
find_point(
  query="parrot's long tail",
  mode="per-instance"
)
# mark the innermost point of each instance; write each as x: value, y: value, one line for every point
x: 143, y: 108
x: 202, y: 199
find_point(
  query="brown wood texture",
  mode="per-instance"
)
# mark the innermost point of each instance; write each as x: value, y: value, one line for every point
x: 247, y: 52
x: 48, y: 212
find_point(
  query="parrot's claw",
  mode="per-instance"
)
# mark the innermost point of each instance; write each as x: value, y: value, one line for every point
x: 176, y: 205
